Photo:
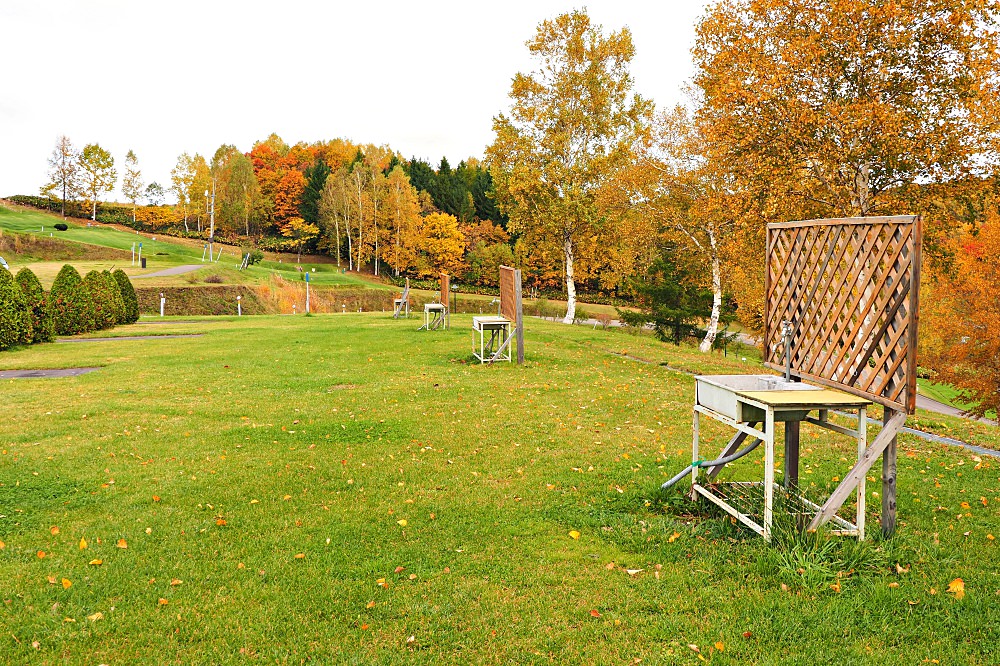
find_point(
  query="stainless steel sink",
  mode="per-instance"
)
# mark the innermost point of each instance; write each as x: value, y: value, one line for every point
x: 720, y: 394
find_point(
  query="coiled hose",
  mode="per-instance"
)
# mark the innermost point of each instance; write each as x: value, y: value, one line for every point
x: 725, y: 460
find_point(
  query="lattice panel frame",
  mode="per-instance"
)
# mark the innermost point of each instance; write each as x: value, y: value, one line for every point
x: 850, y: 288
x: 508, y: 295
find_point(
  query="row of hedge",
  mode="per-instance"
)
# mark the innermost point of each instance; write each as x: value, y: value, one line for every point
x: 74, y: 305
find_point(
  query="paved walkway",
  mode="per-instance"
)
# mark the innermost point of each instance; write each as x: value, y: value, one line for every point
x: 39, y: 374
x: 176, y: 270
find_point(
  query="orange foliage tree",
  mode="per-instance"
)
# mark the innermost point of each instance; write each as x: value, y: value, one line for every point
x: 961, y: 318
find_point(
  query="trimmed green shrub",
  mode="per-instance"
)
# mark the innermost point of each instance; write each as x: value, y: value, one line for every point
x: 130, y: 312
x: 108, y: 306
x: 15, y: 317
x: 61, y: 227
x: 72, y: 307
x: 42, y: 324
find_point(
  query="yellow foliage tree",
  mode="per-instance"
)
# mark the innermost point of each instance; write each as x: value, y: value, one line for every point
x: 443, y: 243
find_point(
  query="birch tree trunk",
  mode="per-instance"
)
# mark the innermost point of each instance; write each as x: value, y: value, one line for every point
x: 570, y: 284
x: 713, y: 321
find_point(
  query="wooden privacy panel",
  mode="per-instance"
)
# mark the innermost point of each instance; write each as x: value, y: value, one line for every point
x: 508, y: 297
x: 849, y: 288
x: 445, y: 283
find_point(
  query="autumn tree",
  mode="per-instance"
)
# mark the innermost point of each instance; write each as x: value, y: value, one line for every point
x: 838, y: 103
x: 64, y: 171
x: 299, y: 232
x: 444, y: 243
x: 181, y: 180
x: 693, y: 199
x: 335, y: 214
x: 97, y: 174
x: 573, y: 125
x: 155, y: 194
x: 200, y: 187
x: 960, y: 338
x: 403, y: 207
x: 132, y: 185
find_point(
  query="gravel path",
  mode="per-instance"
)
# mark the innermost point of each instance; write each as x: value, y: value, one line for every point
x: 176, y: 270
x: 39, y: 374
x: 131, y: 337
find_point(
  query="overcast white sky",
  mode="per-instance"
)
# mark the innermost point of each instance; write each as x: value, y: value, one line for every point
x: 188, y: 75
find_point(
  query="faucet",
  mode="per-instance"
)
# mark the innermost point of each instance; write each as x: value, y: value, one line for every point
x: 786, y: 339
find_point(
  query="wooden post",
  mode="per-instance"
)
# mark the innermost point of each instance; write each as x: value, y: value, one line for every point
x: 791, y: 471
x: 519, y: 332
x: 888, y: 481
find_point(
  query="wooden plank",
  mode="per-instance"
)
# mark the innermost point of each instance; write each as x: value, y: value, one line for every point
x: 519, y: 320
x: 731, y: 447
x: 887, y: 219
x: 790, y: 477
x: 850, y: 482
x: 889, y: 481
x: 818, y: 399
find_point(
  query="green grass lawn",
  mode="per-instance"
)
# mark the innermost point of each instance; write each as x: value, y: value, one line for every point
x: 344, y: 488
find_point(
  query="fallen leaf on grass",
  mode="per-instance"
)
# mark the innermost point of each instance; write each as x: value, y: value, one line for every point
x: 370, y: 604
x: 835, y: 587
x: 399, y: 570
x: 300, y: 556
x: 2, y: 545
x: 901, y: 569
x: 36, y: 645
x: 634, y: 572
x: 54, y: 530
x: 41, y: 554
x: 411, y: 638
x: 747, y: 634
x: 957, y: 587
x: 96, y: 616
x: 610, y: 566
x: 894, y: 584
x: 52, y: 580
x: 66, y: 583
x: 68, y: 619
x: 83, y: 544
x: 673, y: 537
x: 720, y: 646
x: 401, y: 523
x: 287, y: 497
x: 381, y: 583
x: 162, y: 602
x: 97, y: 563
x: 220, y: 522
x: 364, y: 627
x: 693, y: 647
x: 413, y: 576
x: 122, y: 543
x: 595, y: 613
x: 176, y: 581
x: 156, y: 498
x: 574, y: 534
x: 990, y: 537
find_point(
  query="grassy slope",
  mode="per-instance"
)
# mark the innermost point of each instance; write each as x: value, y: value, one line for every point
x: 164, y: 252
x: 318, y: 436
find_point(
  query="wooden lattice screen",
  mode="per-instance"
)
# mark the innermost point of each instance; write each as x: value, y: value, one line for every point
x: 508, y: 297
x: 849, y: 288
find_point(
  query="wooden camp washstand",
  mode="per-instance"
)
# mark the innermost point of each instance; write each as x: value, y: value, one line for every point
x: 401, y: 305
x: 841, y: 312
x: 436, y: 313
x: 494, y: 333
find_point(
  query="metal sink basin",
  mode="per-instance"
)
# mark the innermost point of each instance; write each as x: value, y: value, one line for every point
x: 720, y: 394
